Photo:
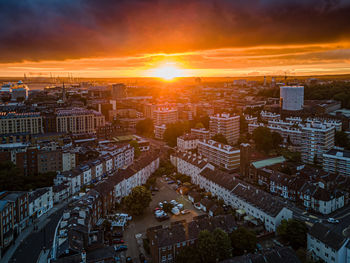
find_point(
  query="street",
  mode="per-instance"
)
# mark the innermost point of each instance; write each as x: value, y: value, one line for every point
x: 30, y: 248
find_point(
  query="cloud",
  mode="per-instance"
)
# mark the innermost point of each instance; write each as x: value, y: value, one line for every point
x: 35, y: 30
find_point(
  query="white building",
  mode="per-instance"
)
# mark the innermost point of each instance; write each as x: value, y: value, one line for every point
x: 40, y: 201
x: 292, y: 97
x: 225, y: 124
x: 337, y: 162
x: 165, y: 115
x: 224, y: 156
x: 68, y: 161
x: 159, y: 131
x: 200, y: 133
x: 328, y: 244
x: 187, y: 142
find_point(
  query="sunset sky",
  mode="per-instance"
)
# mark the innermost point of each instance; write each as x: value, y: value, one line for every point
x: 134, y: 38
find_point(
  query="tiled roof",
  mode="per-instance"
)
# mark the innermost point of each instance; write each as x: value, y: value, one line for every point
x: 327, y: 236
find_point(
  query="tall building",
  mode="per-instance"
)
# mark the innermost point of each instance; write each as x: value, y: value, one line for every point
x: 200, y: 133
x: 25, y: 123
x: 245, y: 150
x: 225, y: 124
x: 119, y: 91
x: 317, y: 139
x: 165, y: 115
x: 224, y: 156
x: 292, y: 98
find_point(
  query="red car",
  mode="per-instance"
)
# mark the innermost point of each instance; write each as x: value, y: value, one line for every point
x: 118, y: 241
x: 156, y: 209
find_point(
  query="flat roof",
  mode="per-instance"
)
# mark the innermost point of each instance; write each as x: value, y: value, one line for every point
x: 268, y: 162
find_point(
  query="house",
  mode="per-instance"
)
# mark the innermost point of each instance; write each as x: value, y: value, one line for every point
x: 40, y: 201
x: 60, y: 193
x: 328, y: 243
x: 206, y: 204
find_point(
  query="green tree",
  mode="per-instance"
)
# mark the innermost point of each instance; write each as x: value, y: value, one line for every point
x: 167, y: 207
x: 263, y: 139
x: 145, y: 127
x: 206, y: 246
x: 223, y: 244
x: 243, y: 240
x: 294, y: 232
x: 137, y: 151
x: 173, y: 131
x: 199, y: 125
x: 243, y: 125
x: 220, y: 138
x: 341, y: 139
x: 138, y: 200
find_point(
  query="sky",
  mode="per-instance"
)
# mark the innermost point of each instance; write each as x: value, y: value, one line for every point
x: 133, y: 38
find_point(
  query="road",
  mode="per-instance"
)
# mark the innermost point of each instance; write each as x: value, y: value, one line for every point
x: 30, y: 248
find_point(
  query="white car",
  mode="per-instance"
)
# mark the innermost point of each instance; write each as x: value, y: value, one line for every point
x: 332, y: 220
x: 160, y: 204
x: 180, y: 206
x: 175, y: 211
x: 197, y: 205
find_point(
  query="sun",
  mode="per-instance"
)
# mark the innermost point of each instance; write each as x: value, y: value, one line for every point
x: 167, y: 72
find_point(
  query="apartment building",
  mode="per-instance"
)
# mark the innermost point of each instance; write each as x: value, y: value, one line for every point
x: 68, y: 160
x: 78, y: 121
x: 49, y: 161
x: 337, y: 162
x: 40, y: 201
x: 159, y: 131
x: 165, y: 115
x: 268, y: 116
x: 317, y: 139
x: 225, y: 124
x: 200, y: 133
x: 224, y: 156
x: 27, y: 123
x: 6, y: 224
x: 187, y: 142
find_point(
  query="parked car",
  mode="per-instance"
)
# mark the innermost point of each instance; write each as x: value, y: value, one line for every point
x: 173, y: 202
x: 162, y: 218
x: 128, y: 259
x: 171, y: 182
x: 332, y: 220
x: 160, y: 204
x: 180, y: 206
x: 175, y: 211
x: 186, y: 211
x: 118, y: 241
x: 155, y: 189
x: 121, y: 248
x: 157, y: 208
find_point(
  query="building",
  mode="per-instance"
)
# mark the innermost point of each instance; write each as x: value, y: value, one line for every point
x: 317, y: 139
x: 6, y: 224
x: 49, y: 161
x: 167, y: 242
x: 78, y: 121
x: 337, y: 162
x: 40, y: 201
x: 68, y: 161
x: 328, y: 243
x: 165, y: 115
x: 292, y: 98
x: 21, y: 123
x: 119, y: 91
x: 187, y: 142
x: 245, y: 150
x: 226, y: 125
x: 159, y: 131
x: 200, y: 133
x: 224, y: 156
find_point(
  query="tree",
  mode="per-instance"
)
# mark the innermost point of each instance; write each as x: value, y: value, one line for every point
x: 188, y: 254
x: 145, y: 127
x: 243, y: 240
x: 206, y: 246
x: 173, y: 131
x: 199, y: 125
x: 277, y: 139
x: 220, y: 138
x: 341, y: 139
x: 243, y: 125
x: 263, y: 139
x: 137, y: 150
x: 223, y: 244
x: 138, y: 200
x: 294, y: 232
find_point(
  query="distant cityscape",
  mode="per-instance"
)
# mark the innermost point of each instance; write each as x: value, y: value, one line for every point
x: 228, y: 155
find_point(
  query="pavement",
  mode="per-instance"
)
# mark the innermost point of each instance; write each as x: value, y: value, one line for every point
x: 30, y: 243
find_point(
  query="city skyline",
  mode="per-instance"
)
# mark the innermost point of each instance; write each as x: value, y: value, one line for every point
x: 199, y: 38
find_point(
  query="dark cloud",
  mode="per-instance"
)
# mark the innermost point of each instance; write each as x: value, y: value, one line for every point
x: 59, y: 29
